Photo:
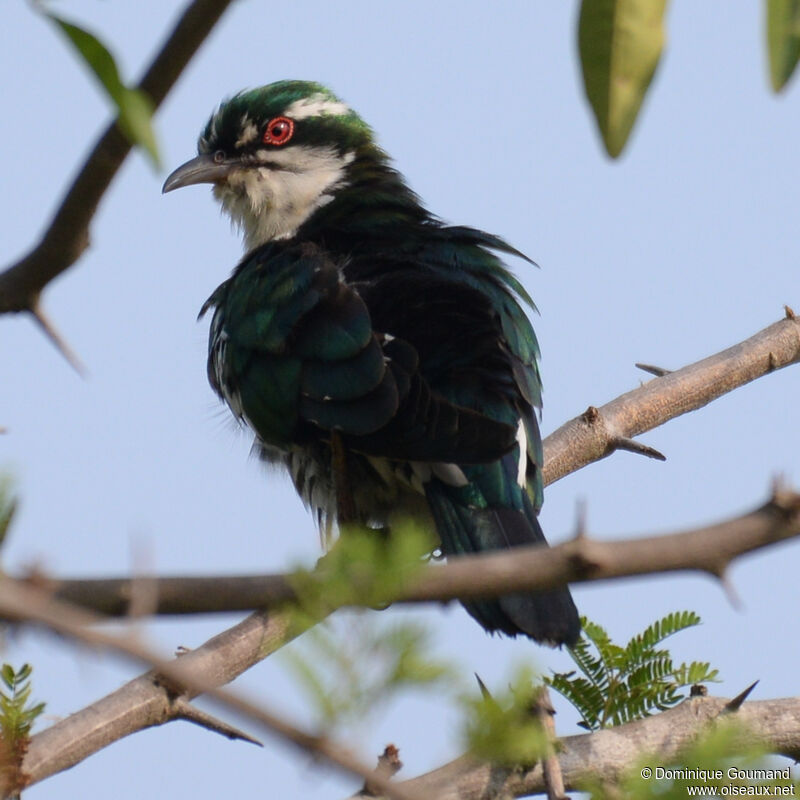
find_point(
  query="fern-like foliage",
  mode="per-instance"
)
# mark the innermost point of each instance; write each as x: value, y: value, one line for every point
x: 615, y: 684
x: 17, y: 716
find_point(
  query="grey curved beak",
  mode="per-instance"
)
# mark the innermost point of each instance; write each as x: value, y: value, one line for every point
x: 202, y: 169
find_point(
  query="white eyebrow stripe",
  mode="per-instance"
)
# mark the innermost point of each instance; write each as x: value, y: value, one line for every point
x: 316, y: 105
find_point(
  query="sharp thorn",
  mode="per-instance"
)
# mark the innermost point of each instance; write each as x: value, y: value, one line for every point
x: 487, y: 695
x: 730, y: 592
x: 190, y: 713
x: 55, y: 337
x: 659, y: 372
x: 732, y: 706
x: 632, y: 446
x: 580, y: 519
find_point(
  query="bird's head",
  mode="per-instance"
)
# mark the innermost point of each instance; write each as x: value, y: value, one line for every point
x: 275, y: 155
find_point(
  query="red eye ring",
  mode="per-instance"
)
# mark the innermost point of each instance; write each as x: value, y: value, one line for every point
x: 278, y: 131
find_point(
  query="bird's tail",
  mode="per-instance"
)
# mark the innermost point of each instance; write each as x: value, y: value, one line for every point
x: 548, y: 617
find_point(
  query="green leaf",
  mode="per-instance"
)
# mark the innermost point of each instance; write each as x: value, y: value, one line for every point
x: 783, y: 40
x: 503, y: 729
x: 134, y: 107
x: 626, y: 683
x: 8, y: 505
x: 620, y: 43
x: 9, y: 678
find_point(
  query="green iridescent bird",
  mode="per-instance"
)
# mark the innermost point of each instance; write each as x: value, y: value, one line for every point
x: 379, y: 355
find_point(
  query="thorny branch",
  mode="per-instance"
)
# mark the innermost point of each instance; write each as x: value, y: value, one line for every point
x: 178, y: 677
x: 67, y: 236
x: 580, y: 441
x: 598, y: 432
x: 533, y: 568
x: 145, y: 701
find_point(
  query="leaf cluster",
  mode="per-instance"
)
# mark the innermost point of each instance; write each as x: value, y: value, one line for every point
x: 620, y: 43
x: 615, y: 684
x: 505, y: 728
x: 352, y: 668
x: 16, y: 716
x: 364, y: 567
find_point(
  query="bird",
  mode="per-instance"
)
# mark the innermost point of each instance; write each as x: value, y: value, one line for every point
x: 379, y: 355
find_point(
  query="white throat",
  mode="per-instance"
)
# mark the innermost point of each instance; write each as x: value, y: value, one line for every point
x: 272, y: 200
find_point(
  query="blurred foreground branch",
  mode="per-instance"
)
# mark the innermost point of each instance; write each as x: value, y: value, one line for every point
x: 176, y: 681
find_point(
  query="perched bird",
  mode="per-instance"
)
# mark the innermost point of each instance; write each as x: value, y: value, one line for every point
x: 378, y: 354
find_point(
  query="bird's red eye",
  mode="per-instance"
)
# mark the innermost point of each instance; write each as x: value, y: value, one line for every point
x: 279, y: 131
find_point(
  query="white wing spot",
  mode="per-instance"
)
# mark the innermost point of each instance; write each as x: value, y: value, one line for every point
x: 522, y: 441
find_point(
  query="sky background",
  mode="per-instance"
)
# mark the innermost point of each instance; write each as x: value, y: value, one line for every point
x: 686, y: 245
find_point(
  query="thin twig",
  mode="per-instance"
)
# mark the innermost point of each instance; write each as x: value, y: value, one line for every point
x: 551, y: 768
x: 186, y: 711
x: 57, y: 339
x: 659, y: 372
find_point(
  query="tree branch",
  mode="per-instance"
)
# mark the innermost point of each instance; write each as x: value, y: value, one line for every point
x: 144, y: 701
x: 533, y: 568
x: 608, y: 753
x: 597, y: 432
x: 67, y: 236
x: 176, y: 679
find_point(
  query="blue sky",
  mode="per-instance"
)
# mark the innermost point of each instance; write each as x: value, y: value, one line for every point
x: 684, y: 246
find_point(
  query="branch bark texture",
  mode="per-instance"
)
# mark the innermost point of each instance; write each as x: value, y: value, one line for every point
x: 598, y: 432
x: 534, y: 568
x: 608, y: 753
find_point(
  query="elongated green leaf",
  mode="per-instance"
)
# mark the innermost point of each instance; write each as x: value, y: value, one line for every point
x: 783, y: 40
x: 134, y: 108
x: 620, y: 43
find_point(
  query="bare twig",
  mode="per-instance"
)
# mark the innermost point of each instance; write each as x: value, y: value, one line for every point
x: 632, y: 446
x: 588, y: 438
x: 659, y: 372
x: 67, y: 236
x: 389, y: 764
x: 57, y: 339
x: 186, y: 711
x: 534, y: 568
x: 551, y: 768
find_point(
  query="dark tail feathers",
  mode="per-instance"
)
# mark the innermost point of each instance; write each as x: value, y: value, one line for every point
x: 547, y: 617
